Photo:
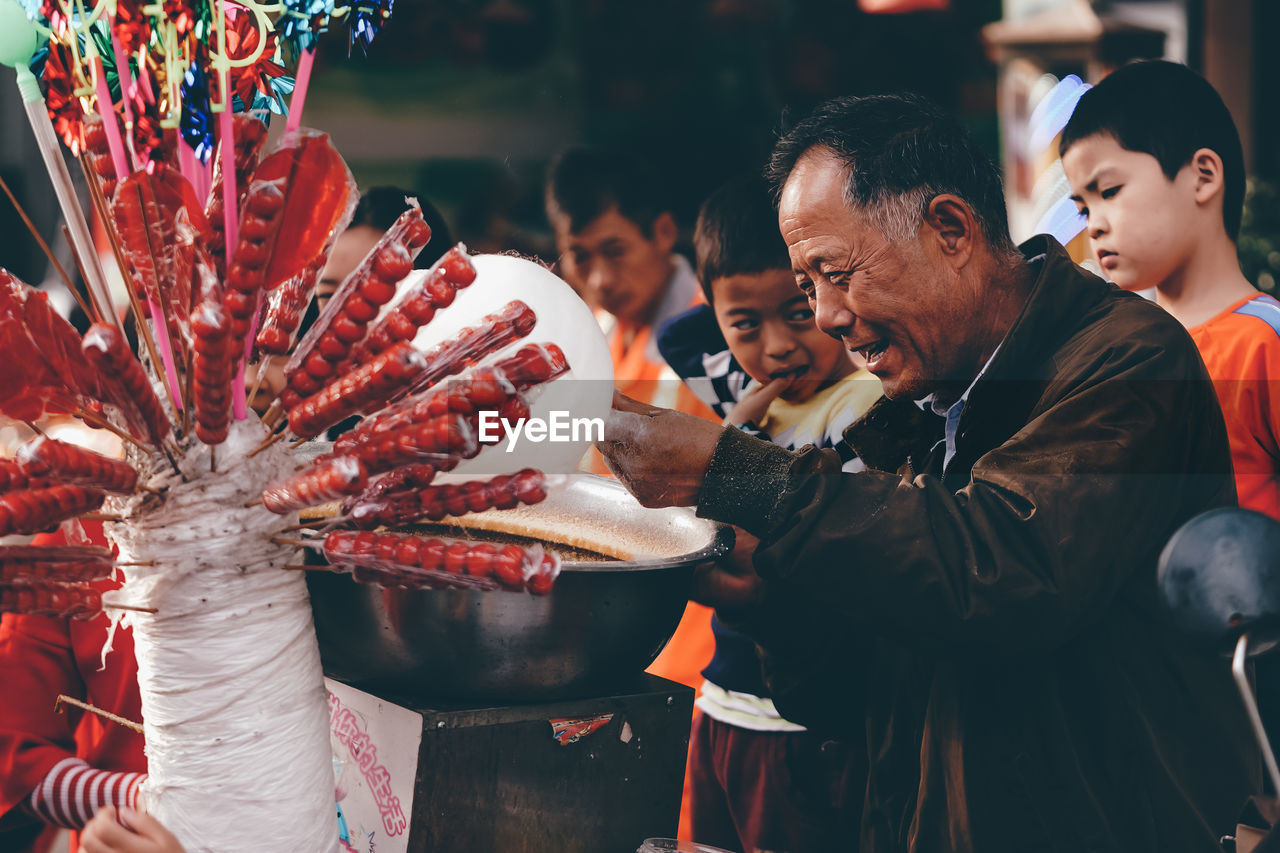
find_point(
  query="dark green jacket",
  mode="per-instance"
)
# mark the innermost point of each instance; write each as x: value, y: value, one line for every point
x: 997, y: 636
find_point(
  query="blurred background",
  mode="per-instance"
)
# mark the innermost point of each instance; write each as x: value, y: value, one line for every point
x: 465, y: 101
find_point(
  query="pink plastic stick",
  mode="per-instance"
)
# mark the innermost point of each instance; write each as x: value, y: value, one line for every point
x: 126, y: 91
x: 125, y: 75
x: 109, y: 124
x: 187, y: 165
x: 144, y: 80
x: 166, y: 350
x: 300, y: 90
x: 230, y: 216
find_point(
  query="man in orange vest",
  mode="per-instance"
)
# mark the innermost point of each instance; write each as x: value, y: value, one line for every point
x: 616, y: 238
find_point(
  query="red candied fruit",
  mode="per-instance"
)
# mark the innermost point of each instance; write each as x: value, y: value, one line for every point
x: 480, y: 560
x: 458, y: 268
x: 455, y: 558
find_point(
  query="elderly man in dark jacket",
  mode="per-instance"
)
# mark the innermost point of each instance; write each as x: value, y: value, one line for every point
x: 979, y: 605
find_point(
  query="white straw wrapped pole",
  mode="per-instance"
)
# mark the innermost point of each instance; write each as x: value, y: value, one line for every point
x: 233, y: 698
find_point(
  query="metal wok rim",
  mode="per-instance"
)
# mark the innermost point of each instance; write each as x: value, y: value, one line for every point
x: 720, y: 544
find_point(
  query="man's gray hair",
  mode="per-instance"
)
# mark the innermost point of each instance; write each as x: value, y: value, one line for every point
x: 900, y: 152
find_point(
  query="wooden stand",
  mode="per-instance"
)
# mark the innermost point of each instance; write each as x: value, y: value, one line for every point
x: 496, y: 778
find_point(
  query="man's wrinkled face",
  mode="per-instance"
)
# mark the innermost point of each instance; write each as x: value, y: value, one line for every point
x: 615, y: 264
x: 898, y: 305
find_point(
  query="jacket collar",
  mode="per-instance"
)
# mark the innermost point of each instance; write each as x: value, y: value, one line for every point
x: 1061, y: 293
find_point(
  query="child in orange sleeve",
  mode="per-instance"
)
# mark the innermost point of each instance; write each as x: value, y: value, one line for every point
x: 1156, y: 166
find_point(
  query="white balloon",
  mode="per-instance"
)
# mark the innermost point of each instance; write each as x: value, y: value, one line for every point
x: 583, y: 394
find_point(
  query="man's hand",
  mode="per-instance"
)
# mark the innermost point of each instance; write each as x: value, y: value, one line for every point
x: 660, y: 455
x: 731, y: 582
x: 126, y: 831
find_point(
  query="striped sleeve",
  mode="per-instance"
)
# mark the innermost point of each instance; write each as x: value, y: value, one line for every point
x: 692, y: 344
x: 72, y: 792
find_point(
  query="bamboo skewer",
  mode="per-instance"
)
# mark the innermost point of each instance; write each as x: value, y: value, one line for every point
x: 94, y: 709
x: 271, y: 418
x: 130, y: 607
x: 95, y: 420
x: 84, y: 306
x: 257, y: 382
x: 270, y: 440
x: 188, y: 377
x: 101, y: 516
x: 307, y: 525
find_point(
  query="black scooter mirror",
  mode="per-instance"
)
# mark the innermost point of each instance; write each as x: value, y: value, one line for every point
x: 1219, y: 577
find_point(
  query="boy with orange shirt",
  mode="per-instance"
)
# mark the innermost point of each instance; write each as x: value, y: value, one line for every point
x: 1155, y: 164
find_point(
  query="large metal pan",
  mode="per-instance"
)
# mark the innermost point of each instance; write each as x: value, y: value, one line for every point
x: 602, y: 624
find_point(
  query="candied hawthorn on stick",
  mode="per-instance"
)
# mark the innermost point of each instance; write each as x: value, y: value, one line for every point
x: 454, y: 272
x: 46, y: 598
x: 473, y: 343
x: 212, y: 372
x: 106, y: 348
x: 328, y: 480
x: 13, y: 479
x: 295, y: 199
x: 249, y: 134
x: 404, y: 560
x: 368, y: 386
x: 36, y: 510
x: 52, y: 553
x: 285, y: 307
x: 435, y: 502
x: 442, y: 442
x: 159, y: 222
x: 317, y: 189
x: 70, y: 465
x: 57, y: 571
x: 97, y: 150
x: 45, y: 368
x: 400, y: 480
x: 489, y: 388
x: 345, y: 320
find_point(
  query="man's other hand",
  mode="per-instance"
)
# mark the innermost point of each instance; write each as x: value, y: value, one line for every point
x: 730, y: 583
x: 660, y: 455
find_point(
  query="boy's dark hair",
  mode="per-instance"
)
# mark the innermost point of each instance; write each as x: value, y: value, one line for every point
x: 380, y: 207
x: 900, y: 152
x: 585, y: 183
x: 737, y: 233
x: 1168, y: 111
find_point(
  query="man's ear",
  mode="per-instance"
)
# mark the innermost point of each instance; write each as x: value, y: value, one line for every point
x: 954, y: 227
x: 1209, y: 178
x: 665, y: 231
